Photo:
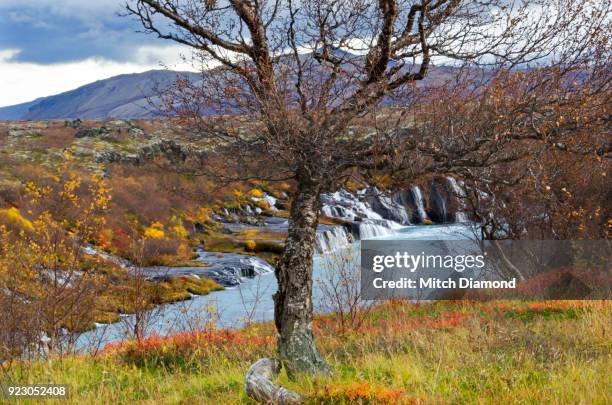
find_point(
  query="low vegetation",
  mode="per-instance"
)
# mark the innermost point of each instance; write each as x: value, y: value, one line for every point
x: 556, y: 352
x: 172, y: 210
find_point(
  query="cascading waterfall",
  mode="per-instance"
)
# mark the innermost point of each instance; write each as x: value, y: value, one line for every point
x: 438, y: 201
x: 373, y: 228
x: 345, y: 205
x: 258, y: 265
x: 367, y: 223
x: 359, y: 221
x: 336, y: 211
x: 459, y: 192
x: 417, y: 197
x: 332, y: 239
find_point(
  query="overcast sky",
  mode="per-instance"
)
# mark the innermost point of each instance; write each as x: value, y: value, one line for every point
x: 51, y: 46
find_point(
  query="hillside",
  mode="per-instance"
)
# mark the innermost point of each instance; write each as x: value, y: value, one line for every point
x: 123, y: 96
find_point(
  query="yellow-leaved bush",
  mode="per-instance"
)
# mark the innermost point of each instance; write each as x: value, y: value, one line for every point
x: 177, y: 229
x: 250, y: 245
x: 13, y: 218
x: 204, y: 214
x: 155, y: 231
x: 44, y: 261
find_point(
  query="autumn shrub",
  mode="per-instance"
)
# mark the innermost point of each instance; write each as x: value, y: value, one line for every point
x: 19, y: 319
x: 155, y: 231
x: 250, y: 245
x: 340, y: 286
x: 104, y: 239
x: 177, y: 229
x: 362, y: 392
x: 193, y: 349
x: 10, y: 193
x: 46, y: 278
x: 121, y: 242
x: 12, y: 218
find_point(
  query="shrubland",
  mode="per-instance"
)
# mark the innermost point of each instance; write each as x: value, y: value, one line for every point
x: 54, y: 284
x: 170, y: 209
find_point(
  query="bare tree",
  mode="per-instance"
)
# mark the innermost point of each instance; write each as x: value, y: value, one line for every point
x: 251, y: 300
x: 340, y: 285
x: 292, y: 79
x: 531, y: 146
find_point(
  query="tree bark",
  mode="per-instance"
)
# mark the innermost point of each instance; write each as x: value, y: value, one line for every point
x: 293, y: 301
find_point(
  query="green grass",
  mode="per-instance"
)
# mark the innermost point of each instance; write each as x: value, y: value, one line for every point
x: 444, y: 353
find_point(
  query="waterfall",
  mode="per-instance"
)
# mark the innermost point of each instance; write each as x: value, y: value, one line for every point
x: 417, y: 197
x: 460, y: 195
x: 336, y: 211
x: 271, y: 201
x: 259, y: 266
x: 461, y: 216
x: 333, y: 238
x: 345, y: 205
x: 367, y: 222
x: 370, y: 228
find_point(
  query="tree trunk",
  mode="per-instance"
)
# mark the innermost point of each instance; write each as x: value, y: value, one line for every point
x: 259, y: 384
x: 293, y: 300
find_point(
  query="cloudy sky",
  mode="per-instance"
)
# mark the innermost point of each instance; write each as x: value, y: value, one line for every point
x: 51, y: 46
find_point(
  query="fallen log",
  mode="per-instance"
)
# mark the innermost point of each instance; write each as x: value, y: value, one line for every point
x: 259, y: 384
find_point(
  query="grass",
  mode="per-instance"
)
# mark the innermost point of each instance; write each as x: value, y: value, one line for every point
x: 443, y: 353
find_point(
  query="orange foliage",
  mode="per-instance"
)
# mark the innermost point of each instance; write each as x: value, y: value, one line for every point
x: 386, y: 327
x: 105, y: 239
x: 364, y: 393
x: 185, y: 341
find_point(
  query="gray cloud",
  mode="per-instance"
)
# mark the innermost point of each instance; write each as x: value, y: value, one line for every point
x: 54, y: 31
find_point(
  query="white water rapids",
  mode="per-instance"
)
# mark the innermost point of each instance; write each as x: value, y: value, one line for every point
x: 251, y: 299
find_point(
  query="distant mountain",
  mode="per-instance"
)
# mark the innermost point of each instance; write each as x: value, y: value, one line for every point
x: 126, y: 96
x: 123, y: 96
x: 15, y: 112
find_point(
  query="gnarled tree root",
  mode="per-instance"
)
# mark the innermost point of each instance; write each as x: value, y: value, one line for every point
x: 259, y: 386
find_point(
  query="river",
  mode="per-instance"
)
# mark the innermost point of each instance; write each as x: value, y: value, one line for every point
x: 252, y: 299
